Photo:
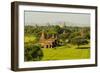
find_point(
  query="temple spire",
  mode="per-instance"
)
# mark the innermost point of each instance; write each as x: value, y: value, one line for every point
x: 42, y: 35
x: 53, y: 36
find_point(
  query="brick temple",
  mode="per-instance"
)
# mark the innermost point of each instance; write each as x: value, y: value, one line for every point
x: 46, y: 42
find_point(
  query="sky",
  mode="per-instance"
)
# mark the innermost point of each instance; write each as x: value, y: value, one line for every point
x: 54, y: 18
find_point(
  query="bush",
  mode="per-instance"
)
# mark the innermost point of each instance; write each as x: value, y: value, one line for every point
x: 33, y: 52
x: 79, y: 41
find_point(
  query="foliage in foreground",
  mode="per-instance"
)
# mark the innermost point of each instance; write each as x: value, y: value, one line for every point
x: 33, y: 52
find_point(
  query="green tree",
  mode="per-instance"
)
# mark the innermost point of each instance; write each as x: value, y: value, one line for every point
x: 79, y: 41
x: 33, y: 52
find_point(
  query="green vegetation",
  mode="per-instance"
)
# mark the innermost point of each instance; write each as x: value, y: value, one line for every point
x: 33, y: 52
x: 29, y: 39
x: 71, y: 43
x: 66, y: 53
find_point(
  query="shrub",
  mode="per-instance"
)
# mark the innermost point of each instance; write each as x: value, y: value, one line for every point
x: 79, y: 41
x: 33, y: 52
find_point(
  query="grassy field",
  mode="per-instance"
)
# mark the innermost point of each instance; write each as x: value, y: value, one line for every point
x: 66, y: 52
x: 30, y: 38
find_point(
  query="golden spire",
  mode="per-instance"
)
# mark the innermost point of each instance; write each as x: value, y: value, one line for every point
x: 42, y: 35
x: 53, y: 36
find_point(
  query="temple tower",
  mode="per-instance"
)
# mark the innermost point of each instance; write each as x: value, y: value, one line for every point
x: 42, y: 35
x: 82, y: 32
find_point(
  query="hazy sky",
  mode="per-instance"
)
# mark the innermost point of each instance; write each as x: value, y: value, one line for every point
x: 42, y: 18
